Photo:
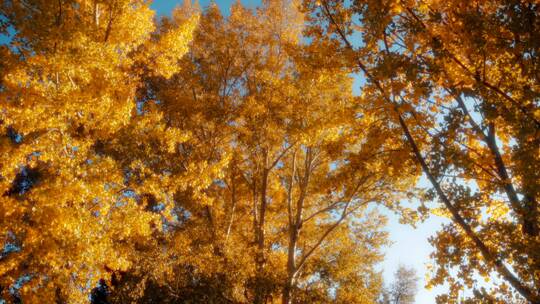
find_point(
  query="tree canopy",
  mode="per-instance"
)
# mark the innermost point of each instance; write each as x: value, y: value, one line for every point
x: 203, y: 158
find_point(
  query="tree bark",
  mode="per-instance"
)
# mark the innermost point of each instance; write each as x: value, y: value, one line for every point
x: 260, y: 239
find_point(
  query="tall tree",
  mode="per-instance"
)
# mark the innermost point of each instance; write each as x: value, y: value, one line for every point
x: 460, y: 79
x: 69, y: 79
x: 288, y: 218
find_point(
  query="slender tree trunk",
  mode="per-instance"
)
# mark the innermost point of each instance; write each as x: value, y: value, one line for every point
x: 295, y: 224
x: 109, y: 23
x: 291, y: 266
x: 286, y: 296
x: 260, y: 293
x: 96, y: 13
x: 233, y: 209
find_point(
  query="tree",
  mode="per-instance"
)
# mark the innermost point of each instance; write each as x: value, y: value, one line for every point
x: 69, y: 80
x: 460, y: 81
x: 404, y: 287
x: 288, y: 217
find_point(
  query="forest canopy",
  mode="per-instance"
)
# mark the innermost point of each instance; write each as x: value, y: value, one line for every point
x: 204, y: 158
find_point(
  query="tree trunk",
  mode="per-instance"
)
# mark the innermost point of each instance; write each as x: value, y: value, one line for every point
x: 260, y: 236
x: 291, y: 265
x: 286, y: 296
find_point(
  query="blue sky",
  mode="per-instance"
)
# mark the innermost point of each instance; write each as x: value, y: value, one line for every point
x: 410, y: 245
x: 164, y: 7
